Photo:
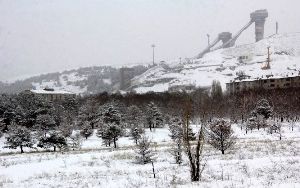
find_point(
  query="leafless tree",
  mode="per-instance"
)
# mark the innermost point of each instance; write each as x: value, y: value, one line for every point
x: 194, y: 153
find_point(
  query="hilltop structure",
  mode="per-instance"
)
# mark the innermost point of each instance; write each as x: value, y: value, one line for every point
x: 51, y: 94
x: 258, y: 17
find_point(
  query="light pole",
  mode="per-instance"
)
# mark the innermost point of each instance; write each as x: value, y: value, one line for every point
x: 153, y: 46
x: 207, y: 39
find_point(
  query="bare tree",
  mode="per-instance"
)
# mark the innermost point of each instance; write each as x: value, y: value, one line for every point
x: 194, y: 153
x: 220, y: 135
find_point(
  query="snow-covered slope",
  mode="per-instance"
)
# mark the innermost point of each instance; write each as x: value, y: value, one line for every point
x: 87, y: 80
x: 224, y: 64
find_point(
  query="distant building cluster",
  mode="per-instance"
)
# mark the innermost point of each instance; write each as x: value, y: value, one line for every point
x: 268, y: 83
x: 180, y: 88
x: 51, y: 94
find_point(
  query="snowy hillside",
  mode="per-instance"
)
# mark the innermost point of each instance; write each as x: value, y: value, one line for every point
x: 224, y: 64
x: 88, y: 80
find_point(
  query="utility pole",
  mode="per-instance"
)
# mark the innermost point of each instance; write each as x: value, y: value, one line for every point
x: 268, y: 59
x: 153, y: 46
x: 276, y: 27
x: 208, y: 39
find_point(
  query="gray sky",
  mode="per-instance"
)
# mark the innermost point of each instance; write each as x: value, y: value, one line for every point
x: 40, y: 36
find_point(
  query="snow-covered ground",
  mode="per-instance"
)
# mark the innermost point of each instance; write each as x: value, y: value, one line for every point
x: 224, y: 64
x: 258, y: 159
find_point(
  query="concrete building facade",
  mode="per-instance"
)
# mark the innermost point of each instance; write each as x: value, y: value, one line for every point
x: 270, y: 83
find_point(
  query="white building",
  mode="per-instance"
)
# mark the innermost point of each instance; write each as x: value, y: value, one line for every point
x: 51, y: 94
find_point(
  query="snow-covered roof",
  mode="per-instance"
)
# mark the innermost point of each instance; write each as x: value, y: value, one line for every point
x: 43, y: 91
x: 265, y: 78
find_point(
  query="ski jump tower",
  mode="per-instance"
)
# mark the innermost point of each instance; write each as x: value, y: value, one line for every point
x: 258, y: 17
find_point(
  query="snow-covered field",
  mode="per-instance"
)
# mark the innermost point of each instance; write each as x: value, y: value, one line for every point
x: 257, y: 160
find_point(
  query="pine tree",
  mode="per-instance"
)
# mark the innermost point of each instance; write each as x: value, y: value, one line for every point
x: 111, y: 115
x: 65, y: 129
x: 154, y: 116
x: 111, y: 134
x: 18, y: 136
x: 54, y: 139
x: 2, y: 126
x: 136, y: 133
x: 264, y: 108
x: 176, y: 130
x: 134, y: 116
x: 87, y: 113
x: 45, y: 123
x: 221, y: 135
x: 216, y: 91
x: 86, y: 130
x: 75, y: 141
x: 144, y: 152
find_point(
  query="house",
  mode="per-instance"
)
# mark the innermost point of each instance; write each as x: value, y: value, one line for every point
x: 51, y: 94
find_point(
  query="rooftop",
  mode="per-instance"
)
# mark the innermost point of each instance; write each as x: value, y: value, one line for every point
x: 51, y: 91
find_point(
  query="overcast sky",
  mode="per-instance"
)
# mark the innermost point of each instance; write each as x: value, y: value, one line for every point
x: 40, y: 36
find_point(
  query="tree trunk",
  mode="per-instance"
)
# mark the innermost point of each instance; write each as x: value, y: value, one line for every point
x: 115, y: 144
x: 54, y: 148
x: 153, y: 169
x: 21, y: 147
x: 223, y: 152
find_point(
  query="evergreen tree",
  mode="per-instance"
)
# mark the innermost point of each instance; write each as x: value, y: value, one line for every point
x: 70, y: 109
x: 86, y: 130
x: 87, y: 113
x: 75, y: 141
x: 65, y: 129
x: 111, y: 115
x: 54, y: 139
x: 264, y: 108
x: 136, y: 133
x: 221, y: 135
x: 176, y: 130
x: 154, y: 116
x: 216, y: 91
x: 45, y: 123
x: 18, y: 136
x: 111, y: 134
x: 30, y: 107
x: 144, y: 152
x: 134, y: 116
x: 3, y: 126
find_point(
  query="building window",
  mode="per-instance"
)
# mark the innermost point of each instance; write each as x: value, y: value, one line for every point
x: 272, y: 80
x: 288, y: 79
x: 265, y: 81
x: 272, y: 85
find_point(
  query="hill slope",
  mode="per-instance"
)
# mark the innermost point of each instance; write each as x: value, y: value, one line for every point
x: 88, y: 80
x: 225, y: 64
